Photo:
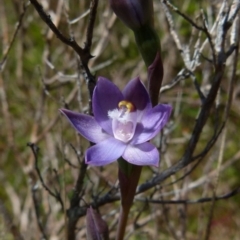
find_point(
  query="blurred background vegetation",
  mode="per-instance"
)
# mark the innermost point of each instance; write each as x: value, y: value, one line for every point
x: 39, y: 74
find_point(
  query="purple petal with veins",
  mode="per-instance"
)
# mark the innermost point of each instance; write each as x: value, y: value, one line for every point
x: 152, y: 122
x: 106, y: 96
x: 136, y: 93
x: 86, y: 125
x: 105, y: 152
x: 142, y: 154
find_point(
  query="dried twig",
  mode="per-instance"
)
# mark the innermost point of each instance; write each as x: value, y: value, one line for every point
x: 204, y: 113
x: 200, y: 200
x: 19, y: 24
x: 8, y: 219
x: 166, y: 2
x: 83, y: 53
x: 56, y: 195
x: 36, y: 203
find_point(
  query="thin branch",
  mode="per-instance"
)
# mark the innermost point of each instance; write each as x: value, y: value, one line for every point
x: 200, y: 93
x: 172, y: 27
x: 84, y: 55
x: 169, y: 224
x: 74, y: 203
x: 70, y: 163
x: 213, y: 203
x: 183, y: 15
x: 203, y: 116
x: 182, y: 75
x: 92, y: 18
x: 200, y: 200
x: 37, y: 210
x: 185, y: 174
x: 35, y: 151
x: 19, y: 24
x: 234, y: 11
x: 9, y: 222
x: 209, y: 37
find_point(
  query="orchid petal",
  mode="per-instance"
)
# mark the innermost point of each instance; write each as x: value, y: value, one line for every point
x: 124, y: 127
x: 106, y: 97
x: 136, y: 93
x: 105, y: 152
x: 86, y: 125
x: 142, y: 154
x: 152, y: 122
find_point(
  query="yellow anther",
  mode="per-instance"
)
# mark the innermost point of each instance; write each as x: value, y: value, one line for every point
x: 128, y: 105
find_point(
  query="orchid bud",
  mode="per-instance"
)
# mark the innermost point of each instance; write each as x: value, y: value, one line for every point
x: 148, y: 43
x: 138, y: 15
x: 134, y: 13
x: 97, y: 228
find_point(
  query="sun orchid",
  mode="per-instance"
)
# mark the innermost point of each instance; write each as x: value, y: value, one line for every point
x: 122, y: 125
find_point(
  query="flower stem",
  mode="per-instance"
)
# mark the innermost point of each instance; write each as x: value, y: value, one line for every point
x: 128, y: 183
x: 122, y: 222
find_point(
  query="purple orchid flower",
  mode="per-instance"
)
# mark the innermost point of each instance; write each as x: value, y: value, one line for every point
x: 122, y: 125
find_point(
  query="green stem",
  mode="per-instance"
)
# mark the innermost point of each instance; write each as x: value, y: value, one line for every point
x: 148, y: 43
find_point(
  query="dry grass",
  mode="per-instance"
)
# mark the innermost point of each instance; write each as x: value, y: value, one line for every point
x: 39, y: 74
